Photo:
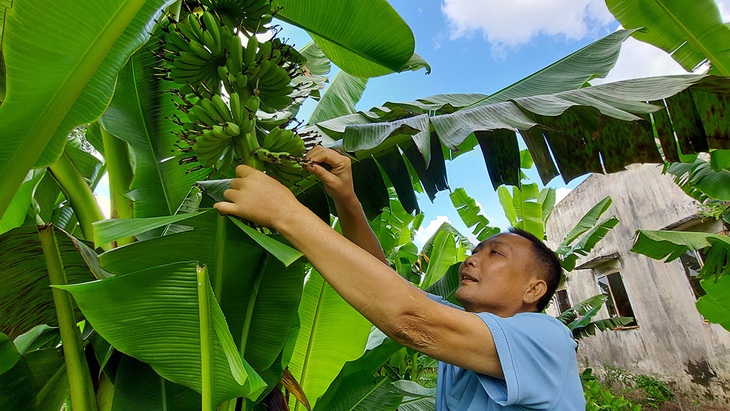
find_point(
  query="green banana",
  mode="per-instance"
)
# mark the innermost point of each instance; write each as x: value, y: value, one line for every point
x: 213, y: 27
x: 221, y: 107
x: 211, y: 110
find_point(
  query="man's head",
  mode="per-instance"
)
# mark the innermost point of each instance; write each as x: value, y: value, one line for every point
x: 509, y: 273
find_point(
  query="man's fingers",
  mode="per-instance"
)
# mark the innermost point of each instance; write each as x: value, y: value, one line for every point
x: 228, y: 194
x: 225, y: 207
x: 236, y: 183
x: 243, y: 170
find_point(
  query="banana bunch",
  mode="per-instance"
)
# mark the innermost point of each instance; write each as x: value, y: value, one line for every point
x: 252, y: 15
x: 196, y: 47
x: 283, y: 166
x: 280, y: 140
x: 215, y: 130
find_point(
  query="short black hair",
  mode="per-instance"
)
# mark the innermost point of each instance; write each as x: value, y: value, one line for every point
x: 548, y: 261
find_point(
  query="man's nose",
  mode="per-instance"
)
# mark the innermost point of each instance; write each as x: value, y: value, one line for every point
x: 471, y: 261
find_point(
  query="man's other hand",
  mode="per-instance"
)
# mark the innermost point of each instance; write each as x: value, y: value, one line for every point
x: 257, y: 197
x: 334, y: 170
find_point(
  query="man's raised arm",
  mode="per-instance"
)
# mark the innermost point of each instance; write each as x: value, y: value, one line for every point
x: 335, y: 172
x: 399, y: 309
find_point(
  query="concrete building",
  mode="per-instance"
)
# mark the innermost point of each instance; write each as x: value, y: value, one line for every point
x: 670, y: 338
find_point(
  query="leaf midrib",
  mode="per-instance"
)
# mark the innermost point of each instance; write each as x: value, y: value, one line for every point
x: 692, y: 39
x: 73, y: 85
x: 148, y: 137
x: 315, y: 318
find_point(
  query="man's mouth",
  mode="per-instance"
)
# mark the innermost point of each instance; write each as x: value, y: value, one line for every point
x: 465, y: 277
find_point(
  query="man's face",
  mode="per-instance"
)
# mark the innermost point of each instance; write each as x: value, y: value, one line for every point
x: 496, y: 275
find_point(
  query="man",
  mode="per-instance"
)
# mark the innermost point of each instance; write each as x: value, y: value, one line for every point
x: 500, y: 353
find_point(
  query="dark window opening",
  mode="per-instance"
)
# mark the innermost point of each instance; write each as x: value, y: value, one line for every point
x: 693, y: 261
x: 617, y: 303
x: 562, y: 300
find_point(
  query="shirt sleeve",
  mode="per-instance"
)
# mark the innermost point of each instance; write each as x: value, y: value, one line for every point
x: 535, y: 353
x: 443, y: 301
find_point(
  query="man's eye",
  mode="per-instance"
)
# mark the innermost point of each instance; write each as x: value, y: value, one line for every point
x: 495, y: 252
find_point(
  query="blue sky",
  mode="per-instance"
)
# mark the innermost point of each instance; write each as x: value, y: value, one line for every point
x: 482, y: 46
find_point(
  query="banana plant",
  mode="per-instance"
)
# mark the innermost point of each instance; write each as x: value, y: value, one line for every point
x: 578, y: 318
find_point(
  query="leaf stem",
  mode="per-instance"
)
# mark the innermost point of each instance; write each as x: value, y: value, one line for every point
x: 252, y: 303
x: 414, y: 367
x: 116, y: 155
x: 220, y: 241
x: 78, y: 193
x: 81, y: 389
x: 206, y: 339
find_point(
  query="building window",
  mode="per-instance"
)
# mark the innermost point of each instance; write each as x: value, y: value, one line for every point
x: 693, y: 261
x: 617, y: 303
x: 562, y: 301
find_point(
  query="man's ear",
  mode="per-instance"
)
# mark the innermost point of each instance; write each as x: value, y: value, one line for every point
x: 536, y: 289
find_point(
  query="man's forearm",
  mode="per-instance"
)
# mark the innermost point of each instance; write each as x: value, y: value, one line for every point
x: 355, y: 227
x: 371, y: 287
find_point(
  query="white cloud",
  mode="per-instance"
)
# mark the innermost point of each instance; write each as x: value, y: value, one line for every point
x: 561, y: 193
x: 424, y: 233
x: 639, y: 59
x: 724, y: 6
x: 515, y: 22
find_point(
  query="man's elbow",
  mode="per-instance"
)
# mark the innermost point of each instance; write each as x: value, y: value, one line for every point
x: 414, y: 331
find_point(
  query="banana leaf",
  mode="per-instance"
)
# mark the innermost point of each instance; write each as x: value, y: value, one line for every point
x: 258, y: 294
x: 331, y: 334
x: 17, y: 388
x: 585, y: 223
x: 139, y: 114
x: 25, y: 298
x: 339, y: 99
x: 153, y: 315
x: 470, y: 213
x: 45, y: 101
x: 714, y: 305
x: 699, y: 175
x: 691, y: 31
x: 138, y: 387
x: 365, y: 38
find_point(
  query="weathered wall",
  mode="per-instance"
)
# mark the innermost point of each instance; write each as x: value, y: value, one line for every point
x: 672, y: 340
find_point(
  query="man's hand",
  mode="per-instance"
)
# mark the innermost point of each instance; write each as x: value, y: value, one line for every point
x: 334, y: 170
x: 258, y: 198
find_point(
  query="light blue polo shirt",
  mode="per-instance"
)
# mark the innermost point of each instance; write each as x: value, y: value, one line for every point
x: 538, y: 358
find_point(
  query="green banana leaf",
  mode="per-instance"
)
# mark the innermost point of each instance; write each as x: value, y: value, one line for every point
x: 109, y: 230
x: 691, y: 31
x: 365, y: 38
x: 669, y: 245
x: 714, y: 305
x: 25, y: 297
x: 356, y: 387
x: 138, y: 387
x: 470, y: 213
x: 17, y: 210
x: 699, y: 175
x: 258, y: 294
x: 17, y: 388
x: 447, y: 285
x: 139, y: 114
x: 339, y: 99
x: 153, y: 315
x: 88, y: 46
x: 523, y: 207
x: 714, y: 274
x: 331, y: 334
x: 568, y: 257
x: 442, y: 256
x: 585, y: 223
